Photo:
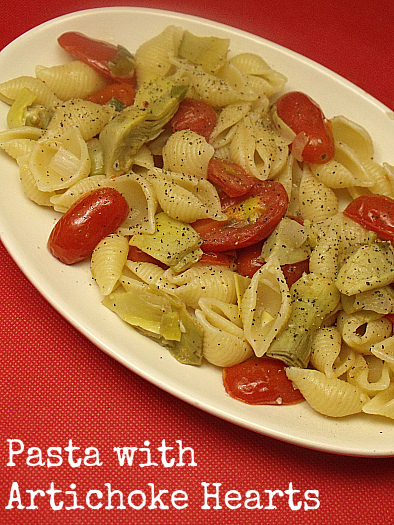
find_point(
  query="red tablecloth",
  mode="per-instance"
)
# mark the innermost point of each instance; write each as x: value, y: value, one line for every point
x: 56, y: 386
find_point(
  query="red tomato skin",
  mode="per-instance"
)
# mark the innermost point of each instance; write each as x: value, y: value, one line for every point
x: 293, y: 272
x: 219, y: 258
x: 232, y: 234
x: 230, y: 177
x: 248, y: 261
x: 374, y: 213
x: 90, y: 219
x: 95, y: 53
x: 124, y: 92
x: 302, y: 114
x: 260, y: 381
x: 196, y: 115
x: 137, y: 255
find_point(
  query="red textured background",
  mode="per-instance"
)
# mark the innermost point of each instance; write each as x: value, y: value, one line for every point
x: 55, y: 385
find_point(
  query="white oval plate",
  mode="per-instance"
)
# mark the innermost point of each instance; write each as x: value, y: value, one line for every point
x: 24, y: 229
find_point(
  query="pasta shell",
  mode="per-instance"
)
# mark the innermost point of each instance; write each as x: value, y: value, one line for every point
x: 10, y: 90
x: 224, y: 342
x: 265, y: 306
x: 382, y: 404
x: 142, y: 201
x: 326, y: 349
x: 58, y: 163
x: 18, y: 147
x: 108, y: 260
x: 384, y: 350
x: 29, y: 184
x: 150, y: 274
x: 62, y: 202
x: 206, y: 281
x: 71, y: 80
x: 187, y: 152
x: 317, y: 202
x: 363, y: 329
x: 353, y: 135
x: 370, y: 374
x: 329, y: 396
x: 89, y: 117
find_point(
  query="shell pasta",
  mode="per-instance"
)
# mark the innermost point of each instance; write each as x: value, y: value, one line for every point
x: 201, y: 193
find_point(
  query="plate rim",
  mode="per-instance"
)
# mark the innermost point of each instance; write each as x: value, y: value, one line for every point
x: 27, y: 270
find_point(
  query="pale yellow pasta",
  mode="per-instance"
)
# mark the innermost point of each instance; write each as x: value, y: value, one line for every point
x: 18, y: 147
x: 293, y: 177
x: 265, y: 306
x: 183, y: 197
x: 206, y: 281
x: 153, y: 57
x: 382, y: 404
x: 327, y: 354
x: 285, y: 177
x: 63, y: 201
x: 71, y: 80
x: 228, y: 117
x: 380, y: 300
x: 88, y: 116
x: 187, y: 152
x: 258, y: 149
x: 108, y: 260
x: 29, y: 184
x: 10, y: 90
x: 382, y: 183
x: 354, y: 135
x: 58, y: 163
x: 390, y: 174
x: 384, y: 350
x: 363, y: 329
x: 210, y: 88
x: 259, y: 74
x: 329, y: 396
x: 23, y: 132
x: 224, y: 342
x: 335, y: 175
x: 370, y: 374
x: 324, y: 257
x: 142, y: 201
x: 151, y: 274
x: 288, y: 243
x: 317, y: 202
x: 345, y: 155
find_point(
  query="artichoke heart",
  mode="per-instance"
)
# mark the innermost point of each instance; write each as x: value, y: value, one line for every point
x: 210, y: 52
x: 124, y: 135
x: 174, y: 243
x: 162, y: 318
x: 370, y: 267
x: 314, y: 298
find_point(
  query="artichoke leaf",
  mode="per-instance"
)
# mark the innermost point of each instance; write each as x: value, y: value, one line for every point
x: 314, y: 298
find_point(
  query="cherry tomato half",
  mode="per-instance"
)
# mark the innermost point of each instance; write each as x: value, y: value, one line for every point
x: 90, y: 219
x: 303, y: 115
x: 375, y: 213
x: 248, y: 261
x: 195, y: 115
x: 137, y: 255
x: 248, y: 222
x: 260, y: 381
x: 293, y: 272
x: 123, y: 92
x: 230, y: 177
x: 114, y: 62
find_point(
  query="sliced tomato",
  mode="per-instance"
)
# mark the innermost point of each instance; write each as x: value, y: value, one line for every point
x: 293, y: 272
x: 260, y: 381
x: 122, y: 91
x: 137, y: 255
x: 304, y: 116
x: 374, y: 213
x: 220, y: 259
x: 230, y: 177
x: 248, y: 261
x: 114, y: 62
x: 196, y: 115
x: 248, y: 222
x: 90, y: 219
